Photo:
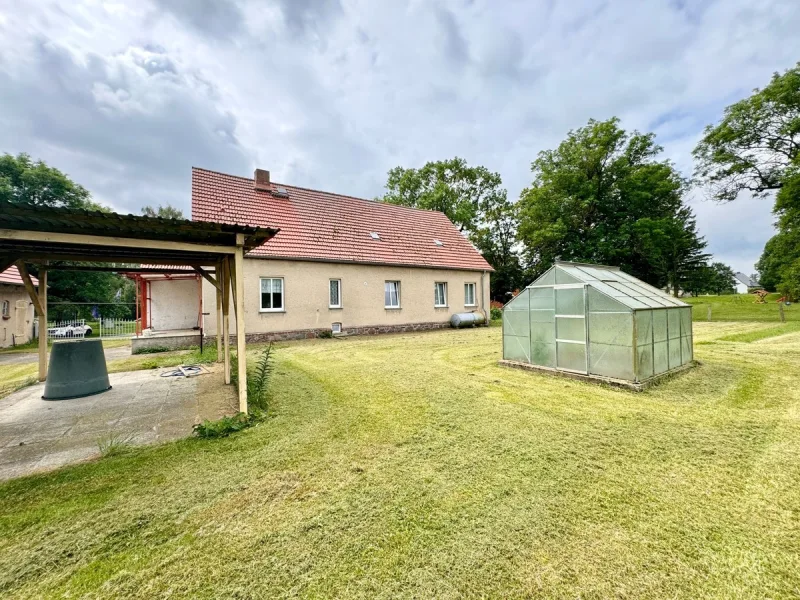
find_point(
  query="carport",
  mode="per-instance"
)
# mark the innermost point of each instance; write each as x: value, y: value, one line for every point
x: 49, y: 237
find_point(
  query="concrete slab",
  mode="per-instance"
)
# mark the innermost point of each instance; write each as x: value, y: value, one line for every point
x: 141, y: 408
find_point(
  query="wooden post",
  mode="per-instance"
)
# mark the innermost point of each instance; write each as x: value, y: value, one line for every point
x: 43, y: 324
x: 240, y: 341
x: 780, y: 310
x: 220, y: 281
x: 226, y: 305
x: 708, y: 313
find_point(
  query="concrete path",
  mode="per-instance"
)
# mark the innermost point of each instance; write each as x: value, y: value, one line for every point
x: 142, y: 407
x: 21, y: 358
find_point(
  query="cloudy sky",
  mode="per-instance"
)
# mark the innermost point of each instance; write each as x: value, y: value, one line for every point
x: 125, y: 96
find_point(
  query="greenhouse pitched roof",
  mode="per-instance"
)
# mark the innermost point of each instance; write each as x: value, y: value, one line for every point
x: 611, y: 281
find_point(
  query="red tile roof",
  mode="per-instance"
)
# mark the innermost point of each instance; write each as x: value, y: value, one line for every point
x: 11, y: 276
x: 318, y: 225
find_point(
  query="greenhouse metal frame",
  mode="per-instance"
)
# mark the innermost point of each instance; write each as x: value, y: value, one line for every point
x: 599, y: 322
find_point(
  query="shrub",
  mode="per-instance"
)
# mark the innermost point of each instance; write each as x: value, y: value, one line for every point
x: 325, y: 334
x: 225, y: 426
x: 496, y: 314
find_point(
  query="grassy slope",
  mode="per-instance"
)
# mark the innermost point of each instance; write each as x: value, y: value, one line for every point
x: 741, y: 307
x: 413, y: 466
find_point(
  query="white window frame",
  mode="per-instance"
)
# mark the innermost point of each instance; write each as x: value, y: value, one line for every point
x: 6, y: 309
x: 474, y: 287
x: 397, y: 293
x: 339, y: 282
x: 436, y: 303
x: 261, y: 296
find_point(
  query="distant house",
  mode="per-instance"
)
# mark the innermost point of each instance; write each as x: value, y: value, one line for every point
x: 744, y: 284
x: 338, y: 263
x: 16, y: 310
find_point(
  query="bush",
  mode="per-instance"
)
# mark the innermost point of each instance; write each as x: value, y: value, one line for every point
x: 496, y: 314
x: 225, y: 426
x: 325, y: 334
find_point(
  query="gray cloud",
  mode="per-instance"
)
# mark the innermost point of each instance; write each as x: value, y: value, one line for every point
x: 216, y: 18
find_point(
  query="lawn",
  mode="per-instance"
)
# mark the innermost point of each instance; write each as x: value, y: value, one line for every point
x: 740, y: 307
x: 412, y: 466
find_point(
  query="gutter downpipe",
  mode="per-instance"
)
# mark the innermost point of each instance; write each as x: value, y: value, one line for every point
x: 483, y: 301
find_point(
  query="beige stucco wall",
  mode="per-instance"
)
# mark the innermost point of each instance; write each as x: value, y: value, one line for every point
x: 306, y: 295
x: 174, y: 304
x: 18, y: 328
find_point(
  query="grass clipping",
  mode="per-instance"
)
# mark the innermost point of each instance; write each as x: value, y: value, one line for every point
x: 257, y: 401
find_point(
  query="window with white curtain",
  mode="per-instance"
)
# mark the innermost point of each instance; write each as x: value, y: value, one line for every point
x: 272, y: 294
x: 391, y: 294
x: 440, y: 294
x: 469, y: 294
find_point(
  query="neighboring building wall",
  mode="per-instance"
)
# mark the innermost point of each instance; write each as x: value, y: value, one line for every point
x: 741, y: 288
x: 175, y: 304
x: 306, y: 289
x: 18, y: 327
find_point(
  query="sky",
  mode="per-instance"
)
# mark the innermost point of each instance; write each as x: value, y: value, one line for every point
x: 126, y: 96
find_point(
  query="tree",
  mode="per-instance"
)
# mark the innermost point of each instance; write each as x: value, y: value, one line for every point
x: 603, y: 197
x: 24, y: 181
x: 451, y: 186
x: 779, y: 265
x: 165, y: 212
x: 756, y: 143
x: 496, y: 239
x: 722, y: 279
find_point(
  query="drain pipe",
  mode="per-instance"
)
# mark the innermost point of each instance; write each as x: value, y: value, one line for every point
x: 483, y: 301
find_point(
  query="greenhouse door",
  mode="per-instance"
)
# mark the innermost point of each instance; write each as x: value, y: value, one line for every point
x: 570, y: 327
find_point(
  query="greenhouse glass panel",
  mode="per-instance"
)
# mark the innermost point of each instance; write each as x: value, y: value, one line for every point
x: 516, y: 348
x: 571, y: 356
x: 645, y: 361
x: 543, y: 316
x: 570, y: 329
x: 611, y: 361
x: 601, y: 303
x: 674, y: 323
x: 543, y: 355
x: 543, y: 332
x: 659, y: 326
x: 549, y: 278
x: 520, y: 302
x: 686, y: 349
x: 562, y: 276
x: 542, y: 298
x: 686, y: 321
x: 611, y: 328
x: 569, y: 301
x: 644, y: 327
x: 674, y: 353
x: 515, y: 322
x: 660, y: 358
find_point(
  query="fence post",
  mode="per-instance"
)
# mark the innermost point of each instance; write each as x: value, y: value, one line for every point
x: 708, y: 314
x: 780, y: 310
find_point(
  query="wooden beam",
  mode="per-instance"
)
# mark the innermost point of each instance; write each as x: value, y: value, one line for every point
x: 43, y: 325
x: 241, y: 352
x: 219, y: 311
x: 142, y: 270
x: 26, y: 281
x: 109, y: 241
x: 226, y: 304
x: 207, y: 277
x: 37, y: 256
x: 232, y: 271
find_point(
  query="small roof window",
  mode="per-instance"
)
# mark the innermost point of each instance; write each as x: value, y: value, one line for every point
x: 375, y: 235
x: 438, y: 242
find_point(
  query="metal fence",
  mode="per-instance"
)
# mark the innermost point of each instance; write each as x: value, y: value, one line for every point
x: 81, y: 328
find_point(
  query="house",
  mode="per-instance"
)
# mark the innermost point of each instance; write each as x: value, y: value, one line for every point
x: 340, y: 263
x: 745, y: 285
x: 16, y: 318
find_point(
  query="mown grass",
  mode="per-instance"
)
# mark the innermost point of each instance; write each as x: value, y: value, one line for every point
x: 413, y: 466
x: 740, y: 307
x: 33, y: 345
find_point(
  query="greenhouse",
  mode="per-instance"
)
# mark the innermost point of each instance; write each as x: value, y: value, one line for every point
x: 599, y: 322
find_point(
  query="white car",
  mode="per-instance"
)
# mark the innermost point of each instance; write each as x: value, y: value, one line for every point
x: 68, y: 331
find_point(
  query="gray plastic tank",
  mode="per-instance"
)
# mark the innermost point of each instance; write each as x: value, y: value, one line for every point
x: 77, y: 369
x: 469, y: 319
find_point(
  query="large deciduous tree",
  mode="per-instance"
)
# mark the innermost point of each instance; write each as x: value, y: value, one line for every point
x: 756, y: 145
x: 604, y: 197
x: 474, y: 200
x: 24, y: 180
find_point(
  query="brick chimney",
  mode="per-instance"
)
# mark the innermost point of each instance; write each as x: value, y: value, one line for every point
x: 262, y: 180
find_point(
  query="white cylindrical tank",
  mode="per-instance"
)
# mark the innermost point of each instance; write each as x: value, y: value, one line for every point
x: 469, y: 319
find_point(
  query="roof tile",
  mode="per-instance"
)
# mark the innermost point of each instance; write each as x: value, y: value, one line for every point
x: 11, y: 276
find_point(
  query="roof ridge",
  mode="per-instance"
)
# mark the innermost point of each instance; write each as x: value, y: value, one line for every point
x: 307, y: 189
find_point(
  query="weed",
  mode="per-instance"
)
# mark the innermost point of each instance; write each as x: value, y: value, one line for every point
x: 152, y: 350
x: 113, y: 444
x: 258, y: 381
x: 225, y: 426
x: 325, y: 334
x: 496, y: 314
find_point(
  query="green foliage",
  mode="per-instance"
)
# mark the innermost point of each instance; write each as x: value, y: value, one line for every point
x: 225, y: 426
x: 325, y: 334
x: 496, y: 313
x: 152, y: 350
x: 717, y: 278
x: 24, y: 181
x: 258, y: 381
x: 496, y: 239
x: 164, y: 212
x: 756, y: 144
x: 113, y: 444
x: 603, y: 197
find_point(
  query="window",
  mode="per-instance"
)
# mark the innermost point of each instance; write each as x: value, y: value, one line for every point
x: 335, y: 293
x: 271, y: 294
x: 6, y: 309
x: 391, y: 293
x: 469, y: 294
x: 440, y: 294
x: 336, y: 327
